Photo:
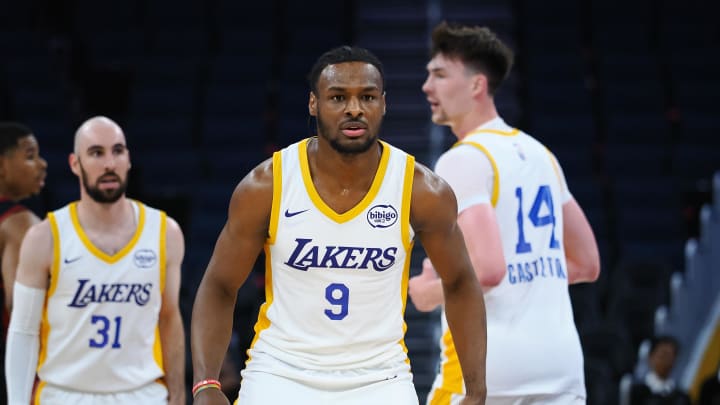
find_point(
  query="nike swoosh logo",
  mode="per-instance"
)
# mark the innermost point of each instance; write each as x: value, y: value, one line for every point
x: 289, y: 214
x: 68, y: 261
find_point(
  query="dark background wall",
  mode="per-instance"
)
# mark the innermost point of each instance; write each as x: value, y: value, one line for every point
x: 624, y: 93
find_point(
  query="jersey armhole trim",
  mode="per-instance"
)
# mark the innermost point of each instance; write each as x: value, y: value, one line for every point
x: 54, y: 274
x: 277, y: 195
x: 406, y: 198
x: 553, y: 161
x: 163, y: 250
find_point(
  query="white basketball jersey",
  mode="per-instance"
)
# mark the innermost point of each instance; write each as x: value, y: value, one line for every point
x: 533, y: 345
x: 99, y: 330
x: 336, y: 283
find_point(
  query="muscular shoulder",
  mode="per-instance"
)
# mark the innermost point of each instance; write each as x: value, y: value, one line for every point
x: 38, y: 240
x: 173, y: 228
x: 39, y: 232
x: 175, y: 239
x: 258, y: 183
x: 251, y: 201
x: 36, y: 256
x: 428, y: 184
x: 16, y: 224
x: 432, y: 199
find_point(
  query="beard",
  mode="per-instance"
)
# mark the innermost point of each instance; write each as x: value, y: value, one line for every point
x: 346, y: 149
x: 103, y: 196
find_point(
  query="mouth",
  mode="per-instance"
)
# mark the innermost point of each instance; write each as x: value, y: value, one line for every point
x: 354, y: 129
x: 109, y: 182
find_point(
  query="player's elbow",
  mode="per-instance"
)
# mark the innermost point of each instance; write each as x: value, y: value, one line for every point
x: 491, y: 278
x: 592, y: 269
x: 592, y: 264
x: 587, y: 270
x: 490, y: 269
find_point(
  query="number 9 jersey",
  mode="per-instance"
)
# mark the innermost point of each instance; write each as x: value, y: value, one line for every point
x: 336, y: 282
x: 533, y: 345
x: 99, y: 330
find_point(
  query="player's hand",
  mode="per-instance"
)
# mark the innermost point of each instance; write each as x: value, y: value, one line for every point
x: 473, y: 400
x: 425, y: 289
x: 210, y: 396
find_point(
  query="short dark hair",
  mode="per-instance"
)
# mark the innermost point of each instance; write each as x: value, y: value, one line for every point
x: 664, y: 339
x: 477, y: 47
x: 10, y: 134
x: 343, y: 54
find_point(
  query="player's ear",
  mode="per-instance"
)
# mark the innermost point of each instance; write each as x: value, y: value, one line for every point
x: 74, y: 163
x: 384, y: 103
x: 480, y: 84
x: 312, y: 104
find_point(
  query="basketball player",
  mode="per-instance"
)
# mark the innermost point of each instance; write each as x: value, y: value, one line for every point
x: 526, y: 235
x: 22, y: 174
x: 337, y: 215
x: 96, y: 299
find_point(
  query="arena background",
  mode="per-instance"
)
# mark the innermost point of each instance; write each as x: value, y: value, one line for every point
x: 624, y: 92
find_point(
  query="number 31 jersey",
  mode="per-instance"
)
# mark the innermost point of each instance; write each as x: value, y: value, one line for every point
x: 336, y: 282
x: 99, y: 331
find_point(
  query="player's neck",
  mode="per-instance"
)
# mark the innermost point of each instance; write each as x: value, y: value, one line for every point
x: 104, y: 215
x: 483, y: 113
x: 8, y: 194
x: 345, y: 168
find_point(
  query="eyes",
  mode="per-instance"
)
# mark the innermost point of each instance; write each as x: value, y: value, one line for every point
x: 32, y: 153
x: 436, y: 74
x: 339, y: 98
x: 116, y: 150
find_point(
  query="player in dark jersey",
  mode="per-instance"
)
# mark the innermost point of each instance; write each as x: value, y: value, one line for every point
x: 22, y: 174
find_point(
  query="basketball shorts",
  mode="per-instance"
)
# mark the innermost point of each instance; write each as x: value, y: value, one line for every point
x: 151, y: 394
x: 439, y: 396
x: 261, y: 388
x: 545, y: 399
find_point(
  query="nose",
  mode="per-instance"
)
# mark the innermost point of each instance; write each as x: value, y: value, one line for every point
x: 352, y: 108
x: 43, y: 162
x: 110, y: 162
x: 426, y: 86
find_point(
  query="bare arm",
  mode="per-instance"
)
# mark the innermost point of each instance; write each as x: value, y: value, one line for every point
x: 471, y: 175
x: 426, y: 289
x: 13, y: 230
x: 21, y: 355
x: 581, y: 250
x: 36, y: 251
x: 476, y: 220
x: 172, y: 335
x: 434, y: 219
x: 236, y: 250
x: 482, y: 238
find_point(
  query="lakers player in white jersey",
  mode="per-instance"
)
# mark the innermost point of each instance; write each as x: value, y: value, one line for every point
x: 526, y: 235
x: 95, y: 311
x: 337, y: 215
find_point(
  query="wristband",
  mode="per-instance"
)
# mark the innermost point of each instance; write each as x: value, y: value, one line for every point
x: 205, y: 384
